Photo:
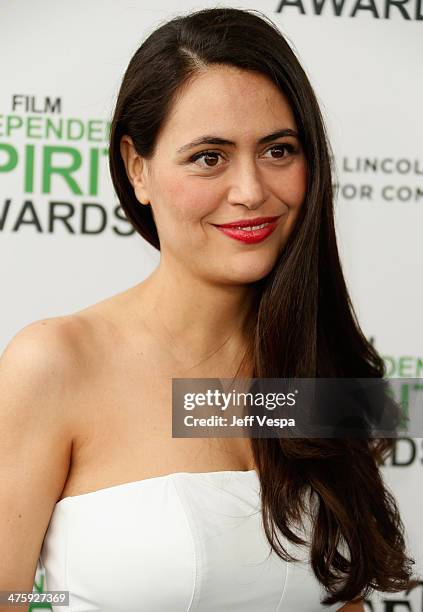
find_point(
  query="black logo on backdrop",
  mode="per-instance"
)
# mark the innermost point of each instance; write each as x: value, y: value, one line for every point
x: 406, y: 452
x: 375, y: 9
x: 71, y: 150
x: 398, y: 603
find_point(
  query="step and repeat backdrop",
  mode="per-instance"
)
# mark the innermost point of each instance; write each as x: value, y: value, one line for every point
x: 65, y: 243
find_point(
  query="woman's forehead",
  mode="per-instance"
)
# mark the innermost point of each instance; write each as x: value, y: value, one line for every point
x: 234, y: 103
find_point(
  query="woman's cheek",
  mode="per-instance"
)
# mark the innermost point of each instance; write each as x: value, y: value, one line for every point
x: 195, y: 206
x: 300, y: 182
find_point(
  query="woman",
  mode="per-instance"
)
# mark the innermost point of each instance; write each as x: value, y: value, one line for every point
x: 215, y: 123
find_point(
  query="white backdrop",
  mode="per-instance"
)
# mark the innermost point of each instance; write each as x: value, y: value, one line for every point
x: 63, y: 61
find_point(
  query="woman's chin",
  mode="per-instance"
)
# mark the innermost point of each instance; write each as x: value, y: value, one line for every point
x: 246, y: 274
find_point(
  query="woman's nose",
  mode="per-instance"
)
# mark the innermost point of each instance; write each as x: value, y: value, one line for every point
x: 247, y: 185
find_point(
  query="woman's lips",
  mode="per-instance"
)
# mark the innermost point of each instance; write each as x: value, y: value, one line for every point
x: 249, y: 236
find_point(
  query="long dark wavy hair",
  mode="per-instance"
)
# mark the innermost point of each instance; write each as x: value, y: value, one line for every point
x: 303, y: 323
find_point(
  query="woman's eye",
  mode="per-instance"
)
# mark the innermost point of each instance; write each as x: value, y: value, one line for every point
x: 213, y: 156
x: 279, y: 150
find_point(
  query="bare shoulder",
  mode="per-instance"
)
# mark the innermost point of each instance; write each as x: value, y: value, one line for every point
x: 40, y: 345
x: 47, y: 351
x: 40, y: 369
x: 353, y: 607
x: 63, y: 350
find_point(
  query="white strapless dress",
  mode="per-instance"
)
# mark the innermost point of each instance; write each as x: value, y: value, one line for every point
x: 183, y: 542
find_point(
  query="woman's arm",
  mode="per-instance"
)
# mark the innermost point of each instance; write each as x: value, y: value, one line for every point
x: 35, y: 443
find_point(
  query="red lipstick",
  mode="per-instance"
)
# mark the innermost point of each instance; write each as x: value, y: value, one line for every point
x: 246, y: 230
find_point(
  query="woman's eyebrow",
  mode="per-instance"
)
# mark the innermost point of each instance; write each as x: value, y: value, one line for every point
x: 222, y: 141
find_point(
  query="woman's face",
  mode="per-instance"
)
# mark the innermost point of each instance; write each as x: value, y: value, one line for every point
x: 193, y: 188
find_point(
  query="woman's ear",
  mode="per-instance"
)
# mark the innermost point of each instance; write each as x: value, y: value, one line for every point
x: 135, y: 169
